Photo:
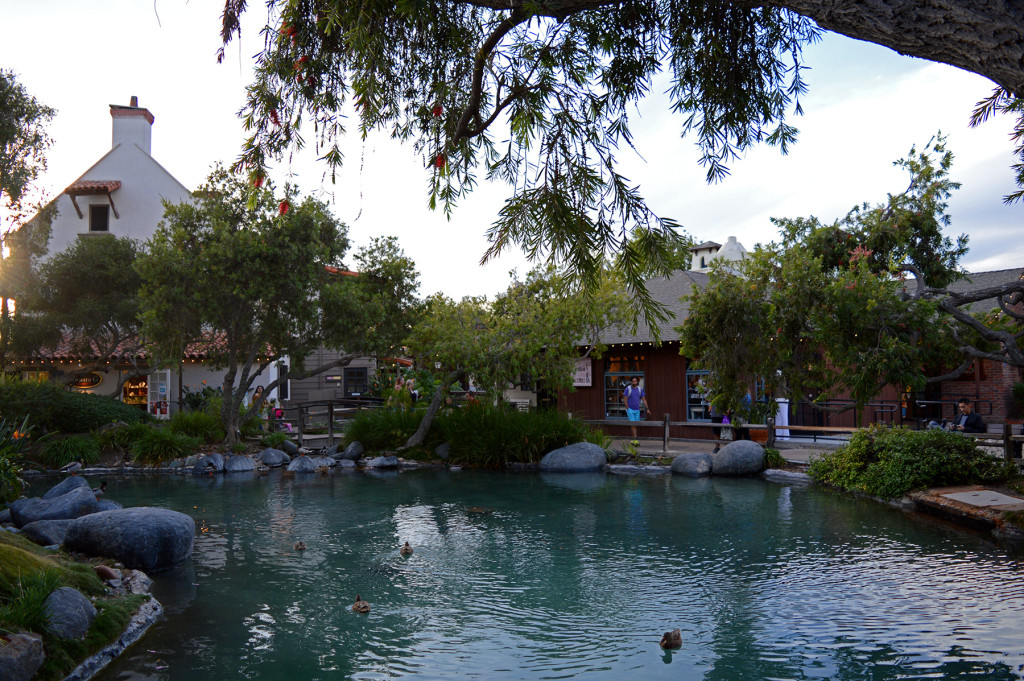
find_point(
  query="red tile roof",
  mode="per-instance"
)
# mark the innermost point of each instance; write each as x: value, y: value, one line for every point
x: 92, y: 187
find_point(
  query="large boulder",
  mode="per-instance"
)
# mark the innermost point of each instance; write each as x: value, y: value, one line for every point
x: 239, y: 463
x: 353, y: 452
x: 442, y: 451
x: 390, y: 461
x: 345, y: 464
x: 65, y: 486
x: 741, y: 457
x: 109, y: 505
x: 78, y: 502
x: 209, y: 463
x: 692, y: 465
x: 68, y: 613
x: 21, y: 657
x: 46, y: 532
x: 575, y: 458
x: 324, y: 461
x: 302, y: 464
x: 273, y: 457
x: 142, y: 538
x: 290, y: 448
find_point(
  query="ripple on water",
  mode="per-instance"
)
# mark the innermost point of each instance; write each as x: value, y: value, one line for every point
x: 514, y: 577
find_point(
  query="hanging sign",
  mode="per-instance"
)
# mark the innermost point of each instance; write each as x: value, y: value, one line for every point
x: 87, y: 382
x: 584, y: 373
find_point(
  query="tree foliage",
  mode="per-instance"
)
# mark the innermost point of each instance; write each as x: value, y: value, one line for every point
x: 538, y: 94
x: 23, y: 140
x: 253, y: 278
x: 829, y: 309
x: 85, y: 300
x: 531, y: 331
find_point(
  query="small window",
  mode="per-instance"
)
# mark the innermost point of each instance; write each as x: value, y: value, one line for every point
x: 355, y: 382
x: 99, y: 218
x: 698, y: 407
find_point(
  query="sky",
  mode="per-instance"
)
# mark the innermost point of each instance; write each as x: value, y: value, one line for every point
x: 867, y: 106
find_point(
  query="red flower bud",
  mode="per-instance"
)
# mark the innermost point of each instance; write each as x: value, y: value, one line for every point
x: 283, y: 208
x: 440, y: 161
x: 273, y: 117
x: 438, y: 110
x: 257, y: 181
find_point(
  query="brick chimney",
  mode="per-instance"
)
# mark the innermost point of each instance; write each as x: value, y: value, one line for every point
x: 132, y: 125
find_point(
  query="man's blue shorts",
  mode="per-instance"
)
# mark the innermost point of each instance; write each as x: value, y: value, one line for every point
x: 633, y: 414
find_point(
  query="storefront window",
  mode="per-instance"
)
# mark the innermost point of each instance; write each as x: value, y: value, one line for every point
x: 135, y: 391
x: 697, y: 406
x: 619, y: 371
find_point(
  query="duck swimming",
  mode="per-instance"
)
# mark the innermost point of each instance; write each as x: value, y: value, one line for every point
x: 360, y: 605
x: 406, y: 550
x: 672, y: 639
x: 300, y: 546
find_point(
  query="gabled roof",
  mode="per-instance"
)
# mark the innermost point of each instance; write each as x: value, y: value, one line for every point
x: 706, y: 244
x: 976, y: 281
x: 667, y: 291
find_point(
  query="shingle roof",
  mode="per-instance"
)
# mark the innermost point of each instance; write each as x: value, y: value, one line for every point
x: 980, y: 280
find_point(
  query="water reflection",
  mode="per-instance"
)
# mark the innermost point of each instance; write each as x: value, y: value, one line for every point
x: 531, y: 577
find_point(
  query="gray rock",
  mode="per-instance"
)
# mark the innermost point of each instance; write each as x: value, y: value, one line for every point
x: 353, y: 452
x: 46, y: 532
x: 5, y: 516
x: 22, y: 657
x: 78, y: 502
x: 346, y: 464
x: 324, y: 461
x: 273, y: 457
x: 290, y: 448
x: 302, y: 464
x: 65, y: 486
x: 141, y: 538
x: 787, y: 477
x: 575, y: 458
x: 390, y: 461
x: 209, y: 463
x: 692, y: 465
x: 235, y: 464
x: 331, y: 451
x: 109, y: 505
x: 741, y: 457
x: 68, y: 613
x: 441, y: 451
x: 191, y: 460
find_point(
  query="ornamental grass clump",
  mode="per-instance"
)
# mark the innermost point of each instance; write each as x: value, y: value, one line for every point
x: 890, y: 462
x: 203, y: 424
x: 59, y: 452
x: 160, y: 445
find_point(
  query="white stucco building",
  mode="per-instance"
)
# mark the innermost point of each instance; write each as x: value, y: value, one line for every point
x: 123, y: 192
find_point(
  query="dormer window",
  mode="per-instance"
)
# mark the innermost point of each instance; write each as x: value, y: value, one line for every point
x: 99, y: 218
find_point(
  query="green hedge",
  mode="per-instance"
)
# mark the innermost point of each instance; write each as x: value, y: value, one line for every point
x: 478, y: 435
x: 890, y: 462
x: 54, y: 408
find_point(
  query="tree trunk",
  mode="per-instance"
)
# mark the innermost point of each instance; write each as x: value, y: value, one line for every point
x: 982, y: 36
x: 435, y: 406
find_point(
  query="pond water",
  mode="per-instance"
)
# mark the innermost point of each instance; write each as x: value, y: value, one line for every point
x: 526, y: 576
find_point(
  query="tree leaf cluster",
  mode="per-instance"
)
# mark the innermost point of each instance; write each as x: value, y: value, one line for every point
x: 829, y: 311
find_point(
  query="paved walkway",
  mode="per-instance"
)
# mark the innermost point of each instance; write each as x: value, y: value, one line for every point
x: 794, y: 450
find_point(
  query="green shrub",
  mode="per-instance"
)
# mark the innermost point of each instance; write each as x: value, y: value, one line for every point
x: 121, y: 438
x: 12, y: 441
x: 54, y: 408
x: 479, y: 435
x: 160, y: 445
x: 773, y: 458
x: 274, y: 440
x: 492, y: 436
x: 58, y: 452
x: 199, y: 424
x: 890, y: 462
x: 385, y: 429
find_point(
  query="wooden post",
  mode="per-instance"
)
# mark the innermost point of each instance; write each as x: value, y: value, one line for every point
x: 1008, y: 441
x: 664, y: 443
x: 769, y: 423
x: 300, y: 418
x: 330, y: 424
